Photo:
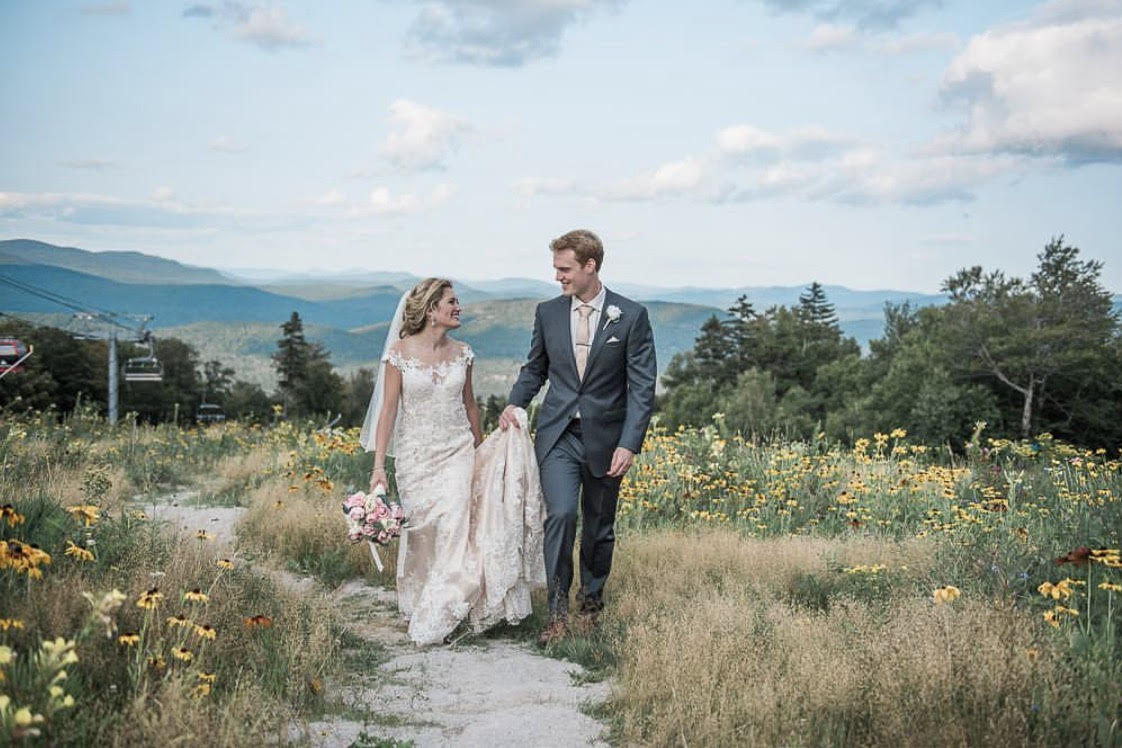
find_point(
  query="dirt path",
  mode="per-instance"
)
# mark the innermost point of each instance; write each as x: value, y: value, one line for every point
x: 481, y: 692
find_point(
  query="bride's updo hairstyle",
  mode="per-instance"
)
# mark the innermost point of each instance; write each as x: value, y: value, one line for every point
x: 421, y: 300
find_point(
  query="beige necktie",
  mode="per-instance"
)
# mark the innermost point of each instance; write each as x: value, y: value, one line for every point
x: 582, y: 341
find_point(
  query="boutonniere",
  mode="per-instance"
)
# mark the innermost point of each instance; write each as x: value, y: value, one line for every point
x: 613, y: 314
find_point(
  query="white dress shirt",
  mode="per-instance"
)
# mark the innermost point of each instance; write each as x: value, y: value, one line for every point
x: 597, y: 304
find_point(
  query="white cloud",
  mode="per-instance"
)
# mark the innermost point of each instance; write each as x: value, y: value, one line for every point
x: 383, y: 202
x: 827, y: 36
x: 227, y: 144
x: 1047, y: 86
x: 266, y: 25
x: 269, y: 28
x: 93, y: 164
x: 804, y: 142
x: 672, y: 178
x: 442, y: 192
x: 163, y: 193
x: 424, y: 137
x: 865, y: 13
x: 496, y: 32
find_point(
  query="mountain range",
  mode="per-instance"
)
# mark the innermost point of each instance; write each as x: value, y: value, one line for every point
x: 236, y: 316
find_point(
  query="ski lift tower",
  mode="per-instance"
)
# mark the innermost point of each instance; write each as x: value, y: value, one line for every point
x: 109, y: 326
x: 138, y: 369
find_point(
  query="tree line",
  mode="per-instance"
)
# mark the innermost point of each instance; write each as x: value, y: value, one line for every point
x: 1024, y: 355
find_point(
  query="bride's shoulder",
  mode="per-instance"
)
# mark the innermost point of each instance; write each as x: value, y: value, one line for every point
x: 465, y: 351
x: 397, y: 353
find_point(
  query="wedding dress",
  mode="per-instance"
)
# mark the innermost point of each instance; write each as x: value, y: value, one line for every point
x: 464, y: 554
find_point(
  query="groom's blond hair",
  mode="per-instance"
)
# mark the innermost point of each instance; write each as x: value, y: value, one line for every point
x: 585, y: 245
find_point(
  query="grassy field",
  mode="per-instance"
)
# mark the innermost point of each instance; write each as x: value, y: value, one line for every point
x: 763, y: 593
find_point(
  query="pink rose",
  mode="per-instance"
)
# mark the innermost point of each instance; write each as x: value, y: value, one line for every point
x: 355, y: 535
x: 369, y: 530
x: 355, y: 499
x: 381, y: 511
x: 356, y: 513
x: 383, y: 537
x: 397, y: 512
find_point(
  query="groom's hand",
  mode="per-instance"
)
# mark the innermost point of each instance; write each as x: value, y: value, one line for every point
x: 508, y: 419
x: 621, y: 462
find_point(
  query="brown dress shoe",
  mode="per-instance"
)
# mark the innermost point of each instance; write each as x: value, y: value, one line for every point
x: 554, y: 632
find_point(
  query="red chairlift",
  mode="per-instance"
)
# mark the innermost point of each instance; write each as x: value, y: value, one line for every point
x: 12, y: 355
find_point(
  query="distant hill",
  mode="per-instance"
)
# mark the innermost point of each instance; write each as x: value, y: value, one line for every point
x: 127, y: 267
x: 183, y: 304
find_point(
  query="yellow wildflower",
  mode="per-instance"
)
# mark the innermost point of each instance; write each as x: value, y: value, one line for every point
x: 205, y: 631
x: 196, y: 596
x: 946, y: 594
x: 179, y: 620
x: 78, y: 552
x: 129, y: 640
x: 10, y: 623
x: 1111, y: 587
x: 203, y: 535
x: 182, y: 653
x: 9, y: 514
x: 86, y: 512
x: 225, y: 563
x: 150, y: 599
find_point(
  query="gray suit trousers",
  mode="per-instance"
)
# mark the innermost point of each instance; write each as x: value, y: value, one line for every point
x: 567, y: 482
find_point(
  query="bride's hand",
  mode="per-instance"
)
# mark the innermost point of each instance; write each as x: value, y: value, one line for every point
x: 378, y: 478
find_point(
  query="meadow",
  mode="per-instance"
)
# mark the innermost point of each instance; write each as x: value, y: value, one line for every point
x: 764, y: 592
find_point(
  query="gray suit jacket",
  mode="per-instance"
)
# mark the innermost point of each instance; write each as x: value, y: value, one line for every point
x: 616, y: 397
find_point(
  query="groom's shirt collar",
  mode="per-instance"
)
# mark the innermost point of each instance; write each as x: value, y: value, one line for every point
x: 597, y: 302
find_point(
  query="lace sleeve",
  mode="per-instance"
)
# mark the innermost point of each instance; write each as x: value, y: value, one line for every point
x: 468, y: 354
x: 393, y: 356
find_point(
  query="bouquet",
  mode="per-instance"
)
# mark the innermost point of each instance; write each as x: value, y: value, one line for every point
x: 371, y: 517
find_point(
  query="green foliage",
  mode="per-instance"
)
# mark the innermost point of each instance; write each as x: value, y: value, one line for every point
x: 1025, y: 356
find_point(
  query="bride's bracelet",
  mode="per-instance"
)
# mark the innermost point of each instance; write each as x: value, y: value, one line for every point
x: 379, y: 470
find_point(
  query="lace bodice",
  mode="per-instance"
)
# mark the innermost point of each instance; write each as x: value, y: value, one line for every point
x: 432, y: 405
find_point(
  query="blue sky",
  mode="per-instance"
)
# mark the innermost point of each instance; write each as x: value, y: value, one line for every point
x: 871, y: 143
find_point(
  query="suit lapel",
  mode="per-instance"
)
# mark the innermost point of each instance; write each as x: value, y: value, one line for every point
x: 601, y: 333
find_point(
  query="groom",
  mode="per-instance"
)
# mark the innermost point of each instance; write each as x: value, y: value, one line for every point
x: 597, y: 351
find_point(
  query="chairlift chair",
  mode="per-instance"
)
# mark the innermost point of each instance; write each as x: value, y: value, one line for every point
x: 145, y: 368
x: 210, y: 413
x: 12, y: 355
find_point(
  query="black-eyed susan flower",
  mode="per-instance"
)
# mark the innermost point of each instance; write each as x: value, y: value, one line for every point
x: 139, y: 516
x: 203, y: 535
x: 182, y: 653
x: 9, y: 514
x: 200, y: 691
x: 205, y: 631
x: 179, y: 620
x: 946, y: 594
x: 78, y: 552
x: 258, y: 621
x: 129, y: 640
x: 88, y: 513
x: 158, y: 663
x: 225, y: 563
x: 1110, y: 587
x: 196, y: 596
x: 11, y: 623
x: 206, y: 677
x: 1059, y: 591
x: 150, y: 599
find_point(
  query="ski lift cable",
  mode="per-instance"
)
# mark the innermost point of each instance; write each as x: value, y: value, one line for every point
x: 104, y: 315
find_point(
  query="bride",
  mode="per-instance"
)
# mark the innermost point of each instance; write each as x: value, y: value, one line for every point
x: 472, y: 548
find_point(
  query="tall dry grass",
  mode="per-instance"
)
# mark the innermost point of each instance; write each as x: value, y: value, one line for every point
x: 719, y: 643
x: 307, y: 530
